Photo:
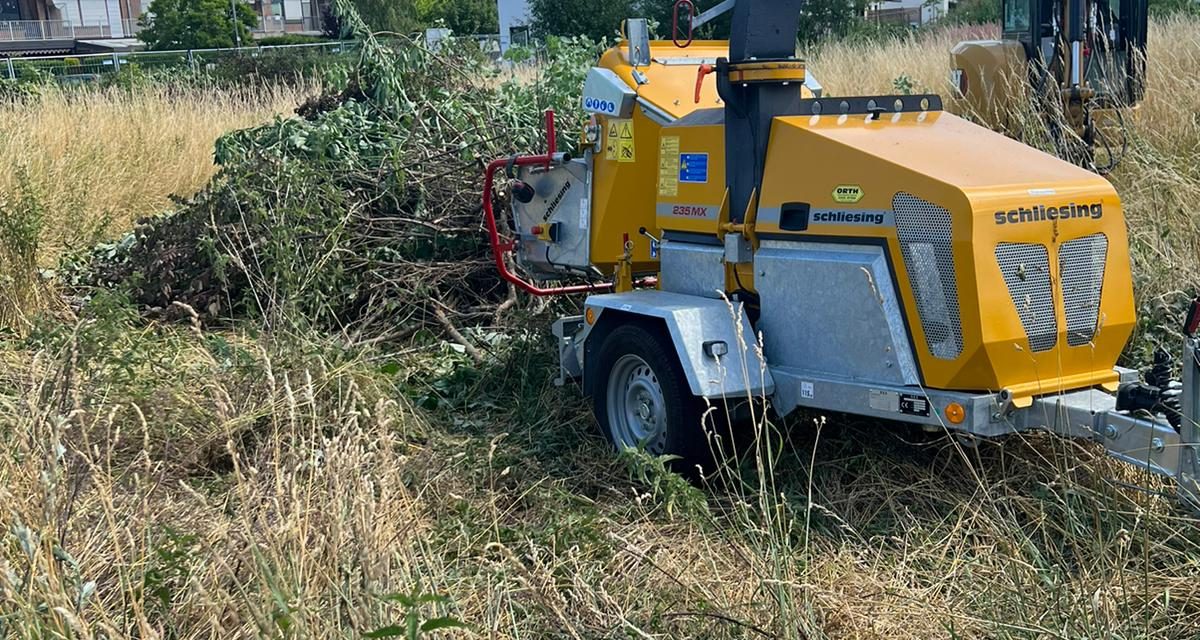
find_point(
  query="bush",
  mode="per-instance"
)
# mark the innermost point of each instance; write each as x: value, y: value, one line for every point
x: 1165, y: 8
x: 361, y: 215
x: 463, y: 17
x: 271, y: 66
x: 289, y: 39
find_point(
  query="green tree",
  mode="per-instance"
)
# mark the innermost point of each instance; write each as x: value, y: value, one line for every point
x: 1164, y: 8
x: 463, y: 17
x: 820, y: 20
x: 589, y: 18
x: 393, y: 16
x: 196, y: 24
x: 830, y: 19
x: 662, y: 13
x: 975, y: 12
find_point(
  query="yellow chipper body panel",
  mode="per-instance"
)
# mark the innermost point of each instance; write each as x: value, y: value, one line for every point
x: 1012, y: 266
x: 626, y: 168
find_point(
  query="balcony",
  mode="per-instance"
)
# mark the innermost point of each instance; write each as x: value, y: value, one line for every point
x: 272, y: 25
x: 47, y: 30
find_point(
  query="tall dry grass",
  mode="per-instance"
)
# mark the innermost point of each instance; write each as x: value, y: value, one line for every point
x: 99, y: 160
x: 167, y: 482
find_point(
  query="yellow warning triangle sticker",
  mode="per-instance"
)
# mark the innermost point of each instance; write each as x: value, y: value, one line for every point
x: 612, y: 130
x: 627, y: 131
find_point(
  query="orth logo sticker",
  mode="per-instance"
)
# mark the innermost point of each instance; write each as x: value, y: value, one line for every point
x: 847, y: 193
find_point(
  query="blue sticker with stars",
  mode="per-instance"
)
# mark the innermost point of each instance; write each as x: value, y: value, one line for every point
x: 693, y: 167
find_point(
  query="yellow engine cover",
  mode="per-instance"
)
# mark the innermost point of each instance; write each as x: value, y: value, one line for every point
x: 1013, y: 266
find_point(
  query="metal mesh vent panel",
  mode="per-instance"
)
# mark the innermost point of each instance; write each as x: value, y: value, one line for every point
x: 925, y: 243
x: 1026, y: 269
x: 1081, y: 270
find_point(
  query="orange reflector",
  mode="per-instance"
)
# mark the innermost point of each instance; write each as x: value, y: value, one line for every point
x: 590, y: 316
x: 955, y: 413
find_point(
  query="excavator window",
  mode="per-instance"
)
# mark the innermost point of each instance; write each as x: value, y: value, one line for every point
x: 1017, y: 18
x: 1027, y: 22
x: 1115, y: 48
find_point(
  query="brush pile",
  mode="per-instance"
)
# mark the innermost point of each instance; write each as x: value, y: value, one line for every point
x: 362, y: 214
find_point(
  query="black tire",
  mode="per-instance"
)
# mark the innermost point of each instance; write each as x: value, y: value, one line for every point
x: 671, y: 420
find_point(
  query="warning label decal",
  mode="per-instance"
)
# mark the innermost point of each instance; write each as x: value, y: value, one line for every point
x: 668, y: 164
x: 626, y: 152
x: 612, y: 132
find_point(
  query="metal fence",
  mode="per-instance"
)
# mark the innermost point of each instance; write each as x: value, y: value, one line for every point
x: 489, y: 44
x: 85, y: 66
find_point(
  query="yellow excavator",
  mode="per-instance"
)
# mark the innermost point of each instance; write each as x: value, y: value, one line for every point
x: 740, y: 241
x: 1080, y: 65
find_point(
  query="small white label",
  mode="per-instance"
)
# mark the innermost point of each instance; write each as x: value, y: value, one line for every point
x: 584, y: 213
x: 806, y: 390
x: 885, y: 401
x: 1042, y: 192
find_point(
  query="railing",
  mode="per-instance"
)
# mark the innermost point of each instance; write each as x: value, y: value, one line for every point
x: 73, y: 67
x: 39, y: 30
x: 42, y: 30
x: 130, y: 27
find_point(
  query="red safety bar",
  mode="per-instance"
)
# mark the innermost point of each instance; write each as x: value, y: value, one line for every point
x: 501, y: 247
x: 1191, y: 326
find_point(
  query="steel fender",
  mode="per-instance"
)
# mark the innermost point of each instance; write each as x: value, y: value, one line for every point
x: 692, y: 322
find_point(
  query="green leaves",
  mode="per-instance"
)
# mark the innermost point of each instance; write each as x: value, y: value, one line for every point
x: 413, y: 625
x: 358, y: 213
x: 196, y: 24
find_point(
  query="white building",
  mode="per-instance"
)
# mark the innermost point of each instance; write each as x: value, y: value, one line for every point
x: 64, y: 26
x: 289, y: 16
x: 514, y: 23
x: 911, y: 12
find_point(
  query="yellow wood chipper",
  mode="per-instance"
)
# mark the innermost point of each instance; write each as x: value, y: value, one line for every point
x: 740, y: 239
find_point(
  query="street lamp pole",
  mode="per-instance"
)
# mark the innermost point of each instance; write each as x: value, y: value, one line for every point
x: 237, y: 33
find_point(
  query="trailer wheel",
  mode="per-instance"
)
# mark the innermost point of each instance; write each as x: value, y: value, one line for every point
x: 642, y: 399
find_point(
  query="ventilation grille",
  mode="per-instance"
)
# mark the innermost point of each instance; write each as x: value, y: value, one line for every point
x: 1026, y: 269
x: 1081, y: 270
x: 925, y: 242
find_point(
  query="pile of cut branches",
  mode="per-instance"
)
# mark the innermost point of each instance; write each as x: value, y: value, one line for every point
x: 362, y: 214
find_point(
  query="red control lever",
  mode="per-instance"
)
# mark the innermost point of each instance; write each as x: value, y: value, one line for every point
x: 704, y: 70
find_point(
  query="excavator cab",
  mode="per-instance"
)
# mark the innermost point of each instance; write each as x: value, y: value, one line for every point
x: 1081, y: 61
x: 1112, y: 49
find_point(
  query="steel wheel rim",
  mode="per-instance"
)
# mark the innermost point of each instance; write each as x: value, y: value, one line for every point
x: 637, y: 409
